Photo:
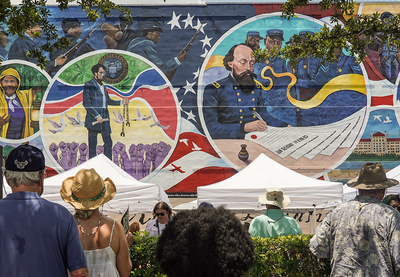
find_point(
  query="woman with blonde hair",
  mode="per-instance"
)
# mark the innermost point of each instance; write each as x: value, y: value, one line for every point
x: 103, y: 240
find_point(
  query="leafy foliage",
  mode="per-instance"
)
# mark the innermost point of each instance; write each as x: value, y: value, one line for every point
x: 34, y: 12
x: 279, y: 256
x: 286, y: 256
x: 350, y: 32
x: 143, y: 256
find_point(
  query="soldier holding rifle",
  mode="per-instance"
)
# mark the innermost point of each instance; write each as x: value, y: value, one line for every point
x: 73, y: 31
x: 146, y: 47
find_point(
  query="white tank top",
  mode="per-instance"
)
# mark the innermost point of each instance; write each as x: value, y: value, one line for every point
x: 102, y: 262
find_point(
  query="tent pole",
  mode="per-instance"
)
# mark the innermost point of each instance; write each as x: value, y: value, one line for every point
x: 315, y: 219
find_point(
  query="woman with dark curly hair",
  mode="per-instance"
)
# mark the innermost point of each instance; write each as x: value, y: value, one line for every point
x: 162, y: 213
x: 205, y: 242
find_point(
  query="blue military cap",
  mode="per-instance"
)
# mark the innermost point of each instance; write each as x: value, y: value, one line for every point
x: 254, y: 34
x: 304, y: 33
x: 151, y: 24
x: 275, y: 33
x: 69, y: 23
x: 3, y: 30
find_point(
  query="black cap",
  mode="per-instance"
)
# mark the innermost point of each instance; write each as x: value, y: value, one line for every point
x: 68, y: 23
x: 25, y: 158
x: 151, y: 25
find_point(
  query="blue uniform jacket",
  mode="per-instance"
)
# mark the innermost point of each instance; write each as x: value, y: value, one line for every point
x: 307, y: 68
x: 3, y: 53
x: 145, y: 47
x: 344, y: 65
x: 277, y: 64
x: 93, y: 103
x: 226, y: 109
x: 19, y: 48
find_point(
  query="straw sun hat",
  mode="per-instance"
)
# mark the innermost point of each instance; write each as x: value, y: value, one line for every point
x: 86, y: 190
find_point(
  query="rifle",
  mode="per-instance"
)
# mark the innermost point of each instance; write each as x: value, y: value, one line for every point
x: 171, y: 73
x: 73, y: 48
x: 191, y: 41
x: 77, y: 45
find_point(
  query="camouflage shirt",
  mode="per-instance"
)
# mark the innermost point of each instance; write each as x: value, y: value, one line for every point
x: 361, y: 237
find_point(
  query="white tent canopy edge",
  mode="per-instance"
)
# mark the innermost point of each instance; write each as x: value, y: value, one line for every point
x: 140, y: 197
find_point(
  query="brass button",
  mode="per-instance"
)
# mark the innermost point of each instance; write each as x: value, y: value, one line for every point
x: 254, y: 109
x: 253, y: 99
x: 240, y: 100
x: 241, y: 117
x: 240, y: 110
x: 254, y: 116
x: 252, y: 92
x: 238, y: 94
x: 240, y: 121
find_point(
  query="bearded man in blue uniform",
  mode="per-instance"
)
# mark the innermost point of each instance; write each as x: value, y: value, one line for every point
x: 230, y: 104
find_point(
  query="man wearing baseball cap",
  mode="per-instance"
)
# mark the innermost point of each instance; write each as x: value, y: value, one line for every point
x: 37, y: 237
x: 274, y: 222
x: 362, y: 236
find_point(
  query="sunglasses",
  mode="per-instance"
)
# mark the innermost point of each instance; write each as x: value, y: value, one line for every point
x: 160, y: 214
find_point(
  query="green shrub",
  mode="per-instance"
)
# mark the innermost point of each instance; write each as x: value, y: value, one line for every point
x: 143, y: 256
x: 286, y: 256
x: 279, y: 256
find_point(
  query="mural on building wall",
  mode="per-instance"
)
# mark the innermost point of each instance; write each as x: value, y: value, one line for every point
x: 174, y: 97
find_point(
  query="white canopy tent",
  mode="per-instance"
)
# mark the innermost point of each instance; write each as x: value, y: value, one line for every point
x: 241, y: 191
x: 350, y: 193
x: 140, y: 197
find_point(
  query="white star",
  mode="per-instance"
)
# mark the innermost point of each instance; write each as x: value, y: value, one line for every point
x: 180, y: 105
x: 175, y: 21
x: 206, y: 41
x: 175, y: 90
x: 189, y: 87
x: 188, y: 21
x: 205, y: 53
x: 191, y: 116
x: 200, y: 26
x: 196, y: 74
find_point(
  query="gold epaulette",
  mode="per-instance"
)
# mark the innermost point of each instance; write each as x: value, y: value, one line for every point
x: 216, y: 85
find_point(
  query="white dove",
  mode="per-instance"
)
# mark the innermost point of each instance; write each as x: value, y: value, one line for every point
x: 140, y: 116
x: 59, y: 126
x: 387, y: 120
x: 75, y: 122
x: 118, y: 117
x: 156, y: 121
